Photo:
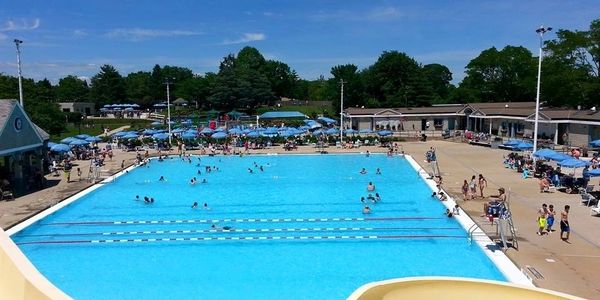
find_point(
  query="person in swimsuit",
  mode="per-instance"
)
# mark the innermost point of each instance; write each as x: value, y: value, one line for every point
x: 550, y: 218
x: 564, y: 224
x: 482, y: 184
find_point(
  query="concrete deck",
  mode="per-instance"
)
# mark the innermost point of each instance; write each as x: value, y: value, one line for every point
x: 566, y: 267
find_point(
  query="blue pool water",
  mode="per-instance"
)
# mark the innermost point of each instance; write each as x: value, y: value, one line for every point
x: 299, y: 232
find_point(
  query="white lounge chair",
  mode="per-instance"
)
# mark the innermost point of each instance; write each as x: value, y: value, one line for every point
x: 595, y: 210
x: 588, y: 199
x: 5, y: 195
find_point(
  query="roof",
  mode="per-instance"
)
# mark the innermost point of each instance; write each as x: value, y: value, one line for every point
x: 282, y: 115
x: 180, y: 101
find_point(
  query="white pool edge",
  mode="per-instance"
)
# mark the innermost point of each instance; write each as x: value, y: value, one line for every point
x: 506, y: 266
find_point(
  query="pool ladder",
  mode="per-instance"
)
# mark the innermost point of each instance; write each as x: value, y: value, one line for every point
x: 471, y: 233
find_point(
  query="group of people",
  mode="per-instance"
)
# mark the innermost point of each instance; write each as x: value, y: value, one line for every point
x: 469, y: 188
x: 147, y: 200
x: 545, y: 220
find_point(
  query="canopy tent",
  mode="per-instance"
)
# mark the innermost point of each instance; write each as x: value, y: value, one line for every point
x: 282, y: 115
x: 60, y: 148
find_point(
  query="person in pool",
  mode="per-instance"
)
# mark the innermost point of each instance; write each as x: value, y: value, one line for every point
x: 195, y: 205
x: 371, y: 198
x: 370, y: 187
x: 162, y: 178
x: 366, y: 210
x: 224, y: 228
x: 363, y: 171
x: 377, y: 197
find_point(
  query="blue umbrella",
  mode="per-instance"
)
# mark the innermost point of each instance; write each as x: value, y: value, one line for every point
x: 327, y: 120
x: 79, y: 143
x: 235, y: 131
x: 121, y: 133
x: 350, y: 131
x: 188, y: 136
x: 160, y: 136
x: 365, y: 131
x: 135, y: 105
x: 573, y: 163
x: 384, y: 133
x: 83, y: 136
x: 544, y: 153
x: 148, y: 132
x: 219, y: 135
x: 68, y: 140
x: 559, y: 157
x: 593, y: 173
x: 107, y: 105
x: 595, y: 143
x: 332, y: 131
x: 513, y: 143
x: 524, y: 145
x: 131, y: 135
x: 318, y: 132
x: 93, y: 139
x: 50, y: 144
x: 60, y: 148
x: 178, y: 130
x: 253, y: 134
x: 156, y: 123
x: 207, y: 130
x: 271, y: 130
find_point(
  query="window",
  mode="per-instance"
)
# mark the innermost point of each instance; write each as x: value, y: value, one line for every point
x: 438, y: 123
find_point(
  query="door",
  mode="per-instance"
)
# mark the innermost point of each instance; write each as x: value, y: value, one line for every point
x: 423, y: 124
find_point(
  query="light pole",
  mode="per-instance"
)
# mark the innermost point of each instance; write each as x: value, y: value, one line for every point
x: 541, y: 32
x: 18, y: 43
x: 342, y: 113
x: 168, y: 83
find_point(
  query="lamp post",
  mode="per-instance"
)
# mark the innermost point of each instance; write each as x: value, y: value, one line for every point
x: 18, y: 43
x: 541, y: 32
x: 168, y: 83
x: 342, y: 113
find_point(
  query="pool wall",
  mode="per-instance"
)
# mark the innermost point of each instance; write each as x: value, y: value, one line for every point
x: 503, y: 263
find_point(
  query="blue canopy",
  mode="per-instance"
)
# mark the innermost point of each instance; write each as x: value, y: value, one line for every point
x: 83, y: 136
x: 235, y: 131
x: 384, y: 133
x: 60, y: 148
x: 121, y: 133
x: 593, y: 173
x: 130, y: 135
x: 68, y: 140
x: 332, y: 131
x: 50, y: 144
x: 282, y: 115
x: 207, y: 130
x: 524, y: 145
x: 156, y: 123
x: 93, y: 139
x: 327, y: 120
x: 271, y: 130
x: 188, y: 136
x: 595, y: 143
x: 178, y: 130
x: 573, y: 163
x: 350, y: 131
x: 513, y: 143
x: 544, y: 153
x: 366, y: 130
x: 219, y: 135
x: 79, y: 143
x: 149, y: 131
x: 252, y: 134
x: 560, y: 157
x: 160, y: 136
x: 318, y: 132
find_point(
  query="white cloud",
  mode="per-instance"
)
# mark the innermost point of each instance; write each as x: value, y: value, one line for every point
x: 247, y: 37
x: 79, y: 33
x: 376, y: 14
x: 139, y: 34
x: 384, y: 13
x: 11, y: 25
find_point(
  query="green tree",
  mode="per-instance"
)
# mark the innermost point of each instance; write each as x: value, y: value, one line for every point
x: 353, y: 87
x: 282, y: 78
x: 138, y: 88
x: 107, y: 86
x: 439, y: 76
x: 71, y: 88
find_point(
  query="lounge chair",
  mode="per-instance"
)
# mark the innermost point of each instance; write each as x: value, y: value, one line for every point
x: 526, y: 174
x: 5, y: 195
x: 588, y: 199
x: 595, y: 210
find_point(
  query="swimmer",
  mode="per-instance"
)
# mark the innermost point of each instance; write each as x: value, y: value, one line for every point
x: 370, y: 197
x: 377, y: 197
x: 195, y: 205
x: 250, y: 171
x: 261, y: 169
x: 366, y: 210
x: 433, y: 195
x: 162, y: 178
x: 368, y: 153
x: 227, y: 228
x: 137, y: 197
x: 199, y: 173
x: 204, y: 180
x: 448, y: 213
x: 146, y: 199
x: 362, y: 199
x: 363, y: 171
x: 192, y: 181
x: 151, y: 200
x: 205, y: 206
x: 443, y: 196
x: 378, y: 172
x: 370, y: 187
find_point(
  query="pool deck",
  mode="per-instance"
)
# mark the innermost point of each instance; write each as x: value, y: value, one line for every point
x: 566, y: 267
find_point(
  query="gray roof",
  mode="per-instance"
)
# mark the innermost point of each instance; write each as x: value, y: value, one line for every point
x: 6, y: 108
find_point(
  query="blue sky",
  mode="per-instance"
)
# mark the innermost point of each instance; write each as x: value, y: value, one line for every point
x: 76, y: 37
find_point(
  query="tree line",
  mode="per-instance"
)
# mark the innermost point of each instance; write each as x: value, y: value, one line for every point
x: 246, y: 81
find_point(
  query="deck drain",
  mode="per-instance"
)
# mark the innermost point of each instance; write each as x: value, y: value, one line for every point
x: 535, y: 272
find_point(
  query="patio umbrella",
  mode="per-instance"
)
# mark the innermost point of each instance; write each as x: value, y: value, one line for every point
x: 573, y: 163
x: 332, y: 131
x: 160, y: 136
x: 93, y: 139
x: 524, y: 145
x: 219, y: 135
x: 350, y: 131
x: 593, y: 173
x: 121, y: 133
x: 595, y: 143
x: 50, y: 144
x: 384, y: 133
x: 513, y: 143
x: 560, y: 157
x: 207, y: 130
x: 60, y: 148
x: 328, y: 121
x: 188, y: 136
x: 235, y: 131
x: 68, y: 140
x: 79, y: 143
x: 318, y: 132
x: 178, y: 130
x: 156, y: 123
x: 131, y: 135
x: 365, y: 131
x: 83, y: 136
x: 544, y: 153
x: 253, y: 134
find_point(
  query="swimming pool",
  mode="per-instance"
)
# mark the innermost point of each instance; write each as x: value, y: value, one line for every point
x: 298, y: 231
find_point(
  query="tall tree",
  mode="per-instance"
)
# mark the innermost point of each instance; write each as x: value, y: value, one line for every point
x: 138, y: 88
x: 281, y: 77
x: 107, y: 86
x: 439, y: 76
x: 71, y: 88
x: 353, y: 87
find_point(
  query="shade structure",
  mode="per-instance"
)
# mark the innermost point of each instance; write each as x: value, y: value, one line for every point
x: 60, y: 148
x: 253, y: 134
x: 332, y: 131
x: 149, y: 132
x: 384, y: 133
x: 312, y: 124
x: 178, y: 130
x: 156, y: 123
x: 350, y: 131
x: 327, y: 120
x: 50, y: 144
x: 593, y: 173
x: 524, y: 145
x: 544, y: 153
x: 131, y: 135
x: 160, y: 136
x: 318, y: 132
x: 93, y: 139
x: 207, y: 130
x: 513, y: 143
x: 79, y: 143
x: 219, y: 135
x: 573, y: 163
x: 83, y: 136
x: 595, y: 143
x: 68, y: 140
x: 365, y: 131
x: 188, y: 136
x: 559, y: 157
x: 235, y: 131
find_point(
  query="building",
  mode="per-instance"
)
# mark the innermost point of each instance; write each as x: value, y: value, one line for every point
x: 22, y: 149
x: 505, y: 119
x: 84, y: 108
